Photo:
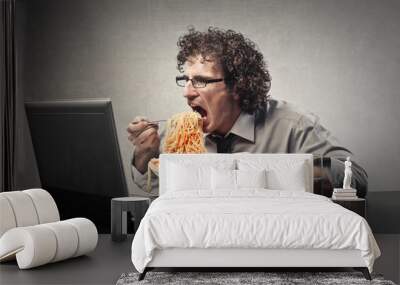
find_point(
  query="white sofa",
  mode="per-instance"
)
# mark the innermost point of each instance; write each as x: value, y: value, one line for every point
x: 31, y: 231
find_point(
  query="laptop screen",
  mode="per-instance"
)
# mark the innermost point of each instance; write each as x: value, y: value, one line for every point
x: 76, y: 146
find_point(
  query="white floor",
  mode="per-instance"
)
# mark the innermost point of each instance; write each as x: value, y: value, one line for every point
x: 389, y: 262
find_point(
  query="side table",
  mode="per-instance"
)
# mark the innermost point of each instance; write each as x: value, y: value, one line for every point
x: 357, y: 205
x: 137, y: 206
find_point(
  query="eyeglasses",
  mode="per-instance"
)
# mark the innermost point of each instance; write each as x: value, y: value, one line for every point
x: 197, y: 82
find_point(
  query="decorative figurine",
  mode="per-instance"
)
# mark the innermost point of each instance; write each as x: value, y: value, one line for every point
x: 347, y: 174
x: 345, y: 193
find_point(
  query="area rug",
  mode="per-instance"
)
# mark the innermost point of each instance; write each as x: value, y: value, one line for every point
x: 273, y: 278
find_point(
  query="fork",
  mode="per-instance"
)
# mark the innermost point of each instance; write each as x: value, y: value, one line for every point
x: 153, y: 124
x: 156, y: 122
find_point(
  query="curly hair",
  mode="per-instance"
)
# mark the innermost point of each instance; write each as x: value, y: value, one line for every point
x: 243, y: 65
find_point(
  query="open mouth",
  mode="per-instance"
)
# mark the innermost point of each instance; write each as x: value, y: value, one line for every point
x: 201, y: 111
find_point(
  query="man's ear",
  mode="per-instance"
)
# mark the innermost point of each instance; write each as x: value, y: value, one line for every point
x: 234, y: 94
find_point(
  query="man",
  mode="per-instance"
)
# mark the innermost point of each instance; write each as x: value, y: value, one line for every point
x: 225, y: 80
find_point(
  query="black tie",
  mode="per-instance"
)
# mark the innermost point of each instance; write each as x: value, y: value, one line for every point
x: 224, y: 145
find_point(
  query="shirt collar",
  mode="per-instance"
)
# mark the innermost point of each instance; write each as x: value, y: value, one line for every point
x: 243, y: 127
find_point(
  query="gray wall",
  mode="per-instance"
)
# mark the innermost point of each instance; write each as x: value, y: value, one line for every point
x: 338, y: 59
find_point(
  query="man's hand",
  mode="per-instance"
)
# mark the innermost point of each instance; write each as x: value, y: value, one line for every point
x: 144, y: 136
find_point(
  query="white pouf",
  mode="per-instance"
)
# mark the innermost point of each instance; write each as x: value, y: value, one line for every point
x: 31, y: 232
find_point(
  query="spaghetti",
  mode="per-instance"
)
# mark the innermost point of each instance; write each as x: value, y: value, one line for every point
x: 184, y: 135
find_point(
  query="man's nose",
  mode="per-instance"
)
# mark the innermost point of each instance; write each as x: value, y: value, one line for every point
x: 189, y: 91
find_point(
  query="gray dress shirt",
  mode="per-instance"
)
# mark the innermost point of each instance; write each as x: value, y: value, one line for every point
x: 284, y: 128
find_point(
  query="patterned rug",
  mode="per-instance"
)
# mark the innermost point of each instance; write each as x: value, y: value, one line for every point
x: 270, y: 278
